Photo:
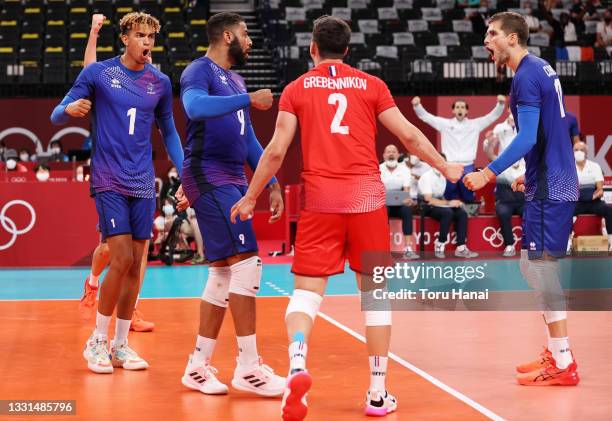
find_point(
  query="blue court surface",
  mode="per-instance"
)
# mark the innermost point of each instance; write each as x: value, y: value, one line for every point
x: 277, y: 280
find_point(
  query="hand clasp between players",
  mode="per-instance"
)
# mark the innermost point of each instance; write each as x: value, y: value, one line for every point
x: 78, y: 108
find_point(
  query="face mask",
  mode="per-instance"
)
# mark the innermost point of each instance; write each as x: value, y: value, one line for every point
x: 391, y: 163
x: 24, y: 157
x: 79, y: 177
x: 414, y: 160
x: 11, y: 164
x: 173, y: 175
x: 579, y: 155
x: 168, y: 210
x: 42, y: 176
x: 56, y: 151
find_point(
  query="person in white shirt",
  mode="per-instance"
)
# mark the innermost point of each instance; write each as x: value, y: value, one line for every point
x: 396, y: 177
x: 417, y: 169
x: 432, y: 186
x: 590, y: 179
x: 604, y: 31
x: 459, y: 138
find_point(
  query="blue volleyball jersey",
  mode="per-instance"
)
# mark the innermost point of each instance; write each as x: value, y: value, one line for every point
x: 216, y: 148
x: 124, y: 105
x: 550, y: 165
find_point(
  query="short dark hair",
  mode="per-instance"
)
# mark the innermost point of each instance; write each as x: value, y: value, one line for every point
x: 467, y: 107
x: 41, y: 167
x: 221, y: 22
x: 332, y: 36
x: 513, y: 23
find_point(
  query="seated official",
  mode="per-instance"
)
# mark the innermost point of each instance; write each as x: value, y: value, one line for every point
x: 431, y: 188
x: 590, y: 179
x: 508, y: 203
x: 396, y: 177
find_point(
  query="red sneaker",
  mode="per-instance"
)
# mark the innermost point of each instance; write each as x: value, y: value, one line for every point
x: 550, y: 375
x: 139, y: 324
x: 87, y: 305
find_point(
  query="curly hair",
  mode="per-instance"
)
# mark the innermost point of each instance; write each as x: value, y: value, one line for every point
x: 138, y: 18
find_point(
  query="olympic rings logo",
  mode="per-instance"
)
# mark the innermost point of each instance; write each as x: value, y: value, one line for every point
x: 494, y: 237
x: 9, y: 225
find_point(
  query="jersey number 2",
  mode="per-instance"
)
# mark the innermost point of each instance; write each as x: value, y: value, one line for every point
x: 560, y: 96
x: 132, y: 115
x: 339, y: 99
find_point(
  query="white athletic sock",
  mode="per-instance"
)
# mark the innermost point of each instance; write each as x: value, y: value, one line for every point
x: 560, y: 351
x: 298, y: 350
x: 102, y: 323
x: 204, y: 349
x: 247, y: 350
x: 378, y: 372
x: 93, y: 280
x: 122, y: 328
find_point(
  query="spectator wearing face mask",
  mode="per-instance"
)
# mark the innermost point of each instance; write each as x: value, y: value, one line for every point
x: 397, y: 177
x: 591, y: 179
x: 417, y: 169
x: 57, y: 152
x: 432, y: 186
x: 42, y: 172
x: 12, y: 163
x: 24, y: 155
x: 459, y: 138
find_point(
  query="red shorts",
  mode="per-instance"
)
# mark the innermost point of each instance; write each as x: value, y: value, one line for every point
x: 325, y: 240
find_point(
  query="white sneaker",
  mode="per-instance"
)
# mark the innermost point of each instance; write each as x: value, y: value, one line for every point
x: 203, y: 377
x: 259, y: 379
x: 410, y: 254
x: 378, y: 404
x: 509, y: 251
x: 465, y: 253
x: 439, y: 250
x: 125, y: 357
x: 96, y: 354
x: 294, y: 406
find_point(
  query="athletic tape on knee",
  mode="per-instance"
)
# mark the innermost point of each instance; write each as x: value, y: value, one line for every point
x: 246, y: 277
x: 376, y: 312
x: 554, y: 316
x: 216, y: 291
x: 543, y: 276
x: 304, y: 301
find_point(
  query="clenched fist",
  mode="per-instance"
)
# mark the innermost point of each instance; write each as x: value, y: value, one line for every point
x: 416, y: 101
x: 261, y: 99
x: 97, y: 20
x: 78, y: 108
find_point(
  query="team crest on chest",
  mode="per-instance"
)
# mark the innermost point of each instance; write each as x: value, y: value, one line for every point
x: 223, y: 79
x: 151, y: 89
x: 115, y: 83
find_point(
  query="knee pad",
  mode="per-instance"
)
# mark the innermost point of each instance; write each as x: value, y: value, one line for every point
x: 246, y: 277
x: 554, y: 316
x: 375, y: 312
x: 216, y: 291
x: 303, y: 301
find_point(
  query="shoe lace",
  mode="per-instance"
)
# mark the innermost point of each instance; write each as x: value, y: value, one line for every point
x: 100, y: 347
x: 209, y: 371
x: 266, y: 368
x: 137, y: 315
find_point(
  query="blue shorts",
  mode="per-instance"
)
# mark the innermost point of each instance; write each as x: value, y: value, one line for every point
x: 547, y: 225
x: 120, y: 214
x: 222, y: 239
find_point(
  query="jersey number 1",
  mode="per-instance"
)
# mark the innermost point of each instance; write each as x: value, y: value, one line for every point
x: 560, y: 96
x: 339, y: 99
x: 132, y: 115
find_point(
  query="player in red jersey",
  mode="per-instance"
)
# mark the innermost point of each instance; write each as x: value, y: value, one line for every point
x: 344, y: 212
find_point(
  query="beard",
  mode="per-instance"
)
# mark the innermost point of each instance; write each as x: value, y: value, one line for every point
x: 236, y: 53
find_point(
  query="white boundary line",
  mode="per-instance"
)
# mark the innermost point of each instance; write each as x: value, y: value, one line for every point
x: 478, y: 407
